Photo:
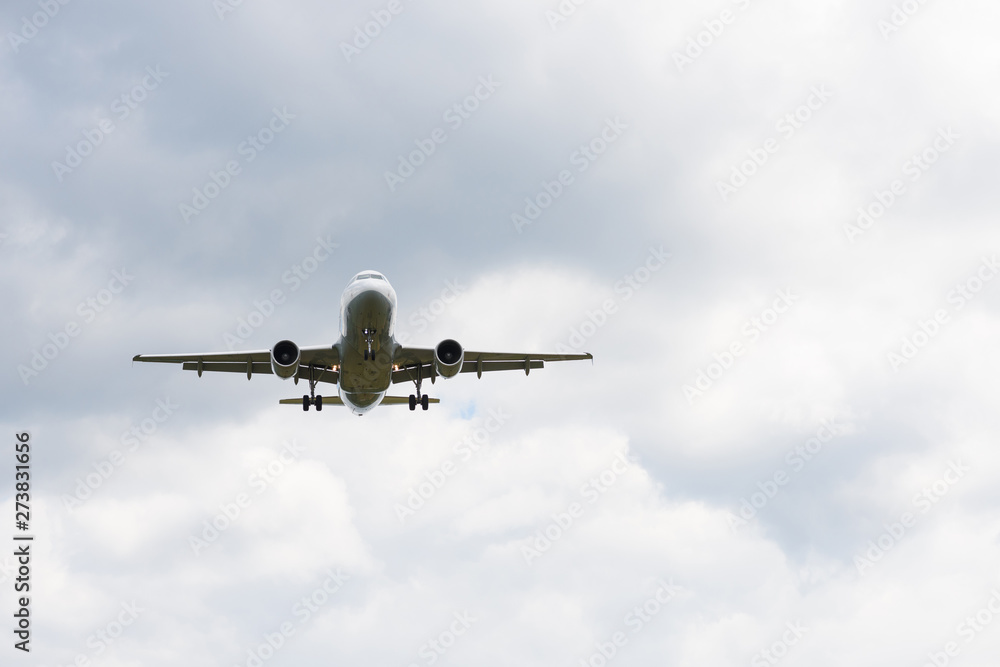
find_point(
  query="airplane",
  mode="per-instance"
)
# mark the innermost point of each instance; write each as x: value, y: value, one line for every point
x: 365, y: 360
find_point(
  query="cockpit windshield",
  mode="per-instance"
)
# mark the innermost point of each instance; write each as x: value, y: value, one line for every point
x: 368, y: 276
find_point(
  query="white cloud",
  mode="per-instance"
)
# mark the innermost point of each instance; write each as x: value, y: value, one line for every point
x: 334, y: 508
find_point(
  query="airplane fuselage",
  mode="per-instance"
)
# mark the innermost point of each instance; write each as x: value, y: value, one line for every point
x: 367, y: 344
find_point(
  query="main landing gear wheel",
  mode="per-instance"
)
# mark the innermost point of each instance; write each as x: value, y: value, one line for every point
x: 317, y: 401
x: 413, y: 402
x: 423, y: 401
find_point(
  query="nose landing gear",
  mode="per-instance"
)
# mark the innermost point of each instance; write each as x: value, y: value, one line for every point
x: 369, y: 335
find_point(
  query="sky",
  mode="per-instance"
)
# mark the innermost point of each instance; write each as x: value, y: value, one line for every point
x: 772, y: 223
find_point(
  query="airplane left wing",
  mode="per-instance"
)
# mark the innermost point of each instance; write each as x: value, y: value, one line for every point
x: 419, y: 361
x: 321, y: 358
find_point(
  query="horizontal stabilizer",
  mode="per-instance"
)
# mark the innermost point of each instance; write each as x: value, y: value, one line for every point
x: 404, y: 400
x: 327, y: 400
x: 335, y: 400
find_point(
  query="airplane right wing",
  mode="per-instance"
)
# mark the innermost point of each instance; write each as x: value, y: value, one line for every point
x: 413, y: 362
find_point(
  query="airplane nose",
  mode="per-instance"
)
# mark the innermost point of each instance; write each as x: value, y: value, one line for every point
x: 373, y: 299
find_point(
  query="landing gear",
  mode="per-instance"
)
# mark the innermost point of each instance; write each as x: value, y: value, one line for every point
x: 422, y: 399
x: 311, y: 397
x: 369, y: 335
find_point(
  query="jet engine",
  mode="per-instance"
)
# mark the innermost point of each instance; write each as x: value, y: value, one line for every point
x: 285, y: 359
x: 448, y: 358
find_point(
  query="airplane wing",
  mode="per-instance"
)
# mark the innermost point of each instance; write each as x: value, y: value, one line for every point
x: 321, y: 357
x: 415, y: 362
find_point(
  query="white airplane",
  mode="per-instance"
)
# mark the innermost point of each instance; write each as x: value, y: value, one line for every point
x: 366, y: 359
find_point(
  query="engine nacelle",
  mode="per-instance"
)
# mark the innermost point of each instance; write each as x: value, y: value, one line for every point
x: 285, y: 359
x: 448, y: 358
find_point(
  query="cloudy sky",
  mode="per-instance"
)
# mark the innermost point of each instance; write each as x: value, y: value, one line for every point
x: 772, y: 223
